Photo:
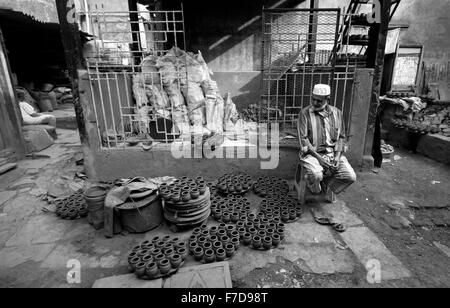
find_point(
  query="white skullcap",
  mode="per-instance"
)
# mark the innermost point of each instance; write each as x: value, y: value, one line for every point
x: 322, y: 90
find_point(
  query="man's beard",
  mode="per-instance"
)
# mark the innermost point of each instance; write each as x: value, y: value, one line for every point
x: 321, y: 107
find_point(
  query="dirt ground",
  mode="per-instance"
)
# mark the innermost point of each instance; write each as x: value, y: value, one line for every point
x: 405, y: 205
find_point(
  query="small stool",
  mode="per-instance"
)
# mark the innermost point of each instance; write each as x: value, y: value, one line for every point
x: 301, y: 188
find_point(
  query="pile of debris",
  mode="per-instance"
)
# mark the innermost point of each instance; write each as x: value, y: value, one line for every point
x: 46, y: 98
x: 178, y: 86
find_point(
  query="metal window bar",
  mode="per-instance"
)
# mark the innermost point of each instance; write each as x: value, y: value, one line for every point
x: 293, y: 59
x: 114, y: 67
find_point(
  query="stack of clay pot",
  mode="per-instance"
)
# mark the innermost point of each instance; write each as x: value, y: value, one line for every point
x: 271, y: 186
x: 186, y: 201
x: 95, y: 199
x: 72, y: 207
x: 156, y: 258
x: 234, y: 183
x: 214, y: 244
x: 229, y: 209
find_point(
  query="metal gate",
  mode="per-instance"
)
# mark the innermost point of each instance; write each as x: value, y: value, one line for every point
x: 121, y: 63
x: 298, y: 51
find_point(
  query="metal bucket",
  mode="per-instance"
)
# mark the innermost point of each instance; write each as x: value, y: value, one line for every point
x: 141, y: 216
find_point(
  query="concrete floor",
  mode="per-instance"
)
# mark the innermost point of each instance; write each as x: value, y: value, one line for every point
x: 35, y: 246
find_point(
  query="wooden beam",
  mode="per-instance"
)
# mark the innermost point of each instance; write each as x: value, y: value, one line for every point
x: 73, y: 50
x: 375, y: 59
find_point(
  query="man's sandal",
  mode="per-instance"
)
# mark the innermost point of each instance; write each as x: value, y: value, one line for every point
x: 339, y: 227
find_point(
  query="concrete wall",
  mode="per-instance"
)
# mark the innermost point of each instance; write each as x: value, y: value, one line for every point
x: 42, y: 10
x: 429, y: 25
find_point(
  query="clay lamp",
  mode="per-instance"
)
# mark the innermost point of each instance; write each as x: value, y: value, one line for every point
x: 164, y: 266
x: 151, y: 270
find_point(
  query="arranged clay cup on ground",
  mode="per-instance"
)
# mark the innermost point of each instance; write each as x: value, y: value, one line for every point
x: 267, y: 244
x: 140, y: 269
x: 183, y: 252
x: 256, y: 242
x: 209, y: 256
x: 229, y: 250
x: 276, y: 240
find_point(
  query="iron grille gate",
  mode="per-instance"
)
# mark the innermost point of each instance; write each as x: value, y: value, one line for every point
x: 298, y: 51
x: 121, y: 64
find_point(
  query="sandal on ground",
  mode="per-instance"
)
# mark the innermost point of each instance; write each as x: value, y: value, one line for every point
x: 320, y: 217
x: 339, y: 227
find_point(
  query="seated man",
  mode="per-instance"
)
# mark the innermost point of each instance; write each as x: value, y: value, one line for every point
x: 31, y: 117
x: 321, y: 132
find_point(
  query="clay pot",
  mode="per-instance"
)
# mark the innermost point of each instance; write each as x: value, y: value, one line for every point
x: 207, y: 245
x: 164, y: 266
x: 183, y: 252
x: 136, y: 248
x: 176, y: 197
x: 299, y: 211
x: 159, y: 258
x: 262, y: 234
x: 235, y: 241
x: 247, y: 239
x: 281, y: 233
x: 276, y: 239
x: 235, y: 234
x: 169, y: 253
x: 195, y: 193
x: 132, y: 255
x: 217, y: 245
x: 256, y: 242
x: 179, y: 245
x: 151, y: 270
x: 241, y: 232
x: 248, y: 225
x: 224, y: 240
x: 221, y: 255
x: 143, y: 252
x: 270, y: 232
x: 140, y: 269
x: 213, y: 230
x: 229, y: 250
x: 147, y: 258
x: 221, y: 233
x: 292, y: 214
x: 133, y: 262
x: 234, y: 217
x: 285, y: 216
x: 175, y: 261
x: 226, y: 217
x: 198, y: 253
x: 262, y: 228
x: 192, y: 247
x: 156, y: 252
x: 185, y: 196
x: 214, y: 238
x: 230, y: 229
x: 252, y: 231
x: 281, y: 226
x: 145, y: 244
x: 197, y: 231
x: 205, y: 233
x: 201, y: 240
x: 267, y: 242
x: 202, y: 189
x: 218, y: 214
x: 209, y: 256
x: 155, y: 240
x: 240, y: 224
